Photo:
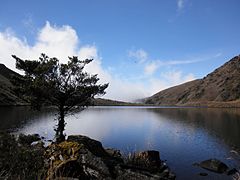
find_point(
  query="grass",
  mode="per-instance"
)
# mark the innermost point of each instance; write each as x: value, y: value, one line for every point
x: 18, y: 161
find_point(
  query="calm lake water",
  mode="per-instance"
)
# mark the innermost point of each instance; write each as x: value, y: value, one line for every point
x: 182, y: 135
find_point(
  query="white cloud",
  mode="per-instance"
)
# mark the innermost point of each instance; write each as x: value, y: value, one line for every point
x: 177, y: 77
x: 177, y: 62
x: 167, y: 80
x: 54, y: 41
x: 140, y: 55
x: 150, y: 68
x: 63, y: 41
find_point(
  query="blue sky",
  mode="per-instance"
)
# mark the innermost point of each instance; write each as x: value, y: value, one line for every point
x: 139, y: 47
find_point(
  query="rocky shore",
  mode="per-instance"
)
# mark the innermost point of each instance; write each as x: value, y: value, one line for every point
x: 79, y: 157
x: 84, y: 158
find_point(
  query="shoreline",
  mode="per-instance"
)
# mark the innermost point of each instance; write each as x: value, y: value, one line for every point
x: 77, y: 157
x: 225, y: 105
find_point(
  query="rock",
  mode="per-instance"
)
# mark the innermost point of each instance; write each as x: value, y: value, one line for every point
x: 165, y: 173
x: 214, y: 165
x: 232, y: 171
x: 171, y: 175
x: 37, y: 144
x: 203, y: 174
x: 147, y: 159
x: 133, y: 174
x: 71, y: 159
x: 28, y: 139
x: 69, y: 168
x: 114, y: 156
x: 84, y: 158
x: 114, y: 152
x: 92, y: 145
x: 94, y: 166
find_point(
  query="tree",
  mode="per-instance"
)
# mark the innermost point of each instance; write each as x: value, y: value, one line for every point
x: 66, y: 86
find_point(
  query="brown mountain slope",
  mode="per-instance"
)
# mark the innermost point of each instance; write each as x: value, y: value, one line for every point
x: 219, y: 88
x: 7, y: 95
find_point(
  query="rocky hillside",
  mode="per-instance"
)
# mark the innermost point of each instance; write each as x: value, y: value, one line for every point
x: 7, y: 95
x: 221, y: 88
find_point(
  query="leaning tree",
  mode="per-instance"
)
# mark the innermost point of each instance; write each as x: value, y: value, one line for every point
x: 66, y: 86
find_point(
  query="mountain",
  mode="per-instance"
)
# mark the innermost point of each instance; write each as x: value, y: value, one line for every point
x: 7, y: 73
x: 221, y: 88
x: 109, y: 102
x: 7, y: 95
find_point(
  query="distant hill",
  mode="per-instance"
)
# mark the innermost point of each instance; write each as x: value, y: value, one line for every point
x: 221, y: 88
x: 7, y: 95
x: 108, y: 102
x: 7, y: 73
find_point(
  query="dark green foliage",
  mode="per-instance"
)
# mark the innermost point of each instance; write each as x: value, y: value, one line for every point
x: 18, y: 161
x: 28, y: 139
x: 66, y: 86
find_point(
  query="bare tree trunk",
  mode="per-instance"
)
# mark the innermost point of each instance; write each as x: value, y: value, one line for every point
x: 61, y: 125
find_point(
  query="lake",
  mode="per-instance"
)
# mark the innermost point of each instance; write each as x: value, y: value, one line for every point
x: 182, y: 135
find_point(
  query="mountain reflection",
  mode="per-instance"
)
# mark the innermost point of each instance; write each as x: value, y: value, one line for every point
x: 222, y: 123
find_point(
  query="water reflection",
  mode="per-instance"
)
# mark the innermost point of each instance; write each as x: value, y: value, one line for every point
x: 222, y: 123
x: 182, y: 135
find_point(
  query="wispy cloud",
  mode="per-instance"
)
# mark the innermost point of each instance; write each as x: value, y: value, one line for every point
x: 177, y: 77
x: 154, y: 65
x: 168, y: 79
x: 180, y: 4
x: 139, y: 55
x: 150, y: 68
x: 177, y: 62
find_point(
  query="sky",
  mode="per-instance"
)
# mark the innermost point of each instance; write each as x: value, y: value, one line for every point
x: 139, y: 46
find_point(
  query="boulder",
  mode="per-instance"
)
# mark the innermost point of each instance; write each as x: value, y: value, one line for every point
x: 38, y: 144
x: 214, y: 165
x: 114, y: 156
x: 114, y: 152
x: 147, y: 159
x: 135, y: 172
x: 95, y: 167
x: 28, y: 139
x: 232, y: 171
x: 84, y: 158
x: 203, y: 174
x: 69, y: 168
x: 71, y: 159
x: 92, y: 145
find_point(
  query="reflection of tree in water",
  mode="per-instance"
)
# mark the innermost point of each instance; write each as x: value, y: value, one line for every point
x: 68, y: 87
x: 15, y: 117
x: 223, y: 123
